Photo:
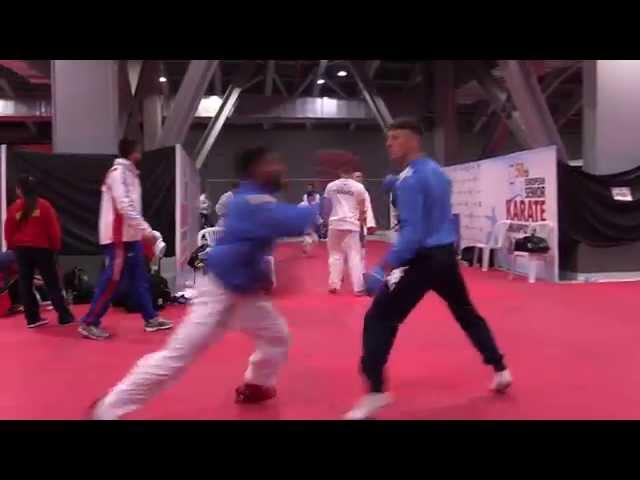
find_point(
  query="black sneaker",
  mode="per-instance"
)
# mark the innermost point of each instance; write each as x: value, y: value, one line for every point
x: 66, y: 320
x: 15, y: 310
x: 157, y: 324
x: 39, y: 323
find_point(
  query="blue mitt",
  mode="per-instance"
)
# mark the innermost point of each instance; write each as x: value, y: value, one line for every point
x: 374, y: 281
x: 389, y: 183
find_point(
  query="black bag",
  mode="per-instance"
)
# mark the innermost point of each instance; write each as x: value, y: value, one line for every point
x: 531, y: 244
x: 77, y: 286
x: 160, y: 295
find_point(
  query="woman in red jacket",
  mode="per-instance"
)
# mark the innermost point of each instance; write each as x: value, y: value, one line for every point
x: 32, y: 230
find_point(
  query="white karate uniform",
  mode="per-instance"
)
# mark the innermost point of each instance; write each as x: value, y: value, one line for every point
x: 348, y: 198
x: 214, y: 311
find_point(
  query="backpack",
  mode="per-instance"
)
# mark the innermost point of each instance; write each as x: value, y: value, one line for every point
x: 531, y: 244
x: 160, y: 293
x: 77, y: 286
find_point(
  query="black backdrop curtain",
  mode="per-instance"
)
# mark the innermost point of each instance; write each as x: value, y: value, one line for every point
x: 72, y: 183
x: 588, y: 212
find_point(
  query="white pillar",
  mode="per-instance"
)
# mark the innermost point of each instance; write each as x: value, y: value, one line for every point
x: 611, y: 110
x: 85, y: 106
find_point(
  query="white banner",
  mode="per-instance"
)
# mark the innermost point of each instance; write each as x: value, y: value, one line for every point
x: 187, y: 215
x: 521, y: 187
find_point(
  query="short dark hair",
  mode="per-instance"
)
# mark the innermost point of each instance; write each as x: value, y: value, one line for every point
x: 247, y: 159
x: 127, y: 146
x: 410, y: 124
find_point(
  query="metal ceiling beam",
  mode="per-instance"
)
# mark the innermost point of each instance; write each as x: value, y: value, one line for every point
x: 446, y: 126
x: 572, y: 106
x: 269, y: 77
x: 133, y: 70
x: 227, y: 106
x: 28, y: 70
x: 371, y: 96
x: 372, y: 67
x: 498, y: 98
x: 4, y: 85
x: 251, y: 108
x: 532, y: 106
x: 132, y: 106
x: 152, y: 97
x: 550, y: 83
x: 322, y: 66
x: 268, y: 84
x: 215, y: 126
x: 336, y: 88
x: 557, y: 77
x: 194, y: 85
x: 415, y: 78
x: 252, y: 82
x: 280, y: 85
x: 498, y: 132
x: 217, y: 80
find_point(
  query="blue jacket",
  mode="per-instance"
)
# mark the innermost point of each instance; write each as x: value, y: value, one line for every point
x: 423, y: 195
x: 254, y: 221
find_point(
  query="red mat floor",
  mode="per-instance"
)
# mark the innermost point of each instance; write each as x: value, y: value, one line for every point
x: 573, y: 350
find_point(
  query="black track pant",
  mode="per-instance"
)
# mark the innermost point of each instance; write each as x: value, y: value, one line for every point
x: 431, y: 269
x: 43, y: 260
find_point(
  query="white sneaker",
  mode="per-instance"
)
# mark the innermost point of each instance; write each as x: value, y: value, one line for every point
x: 368, y: 405
x: 501, y: 381
x: 96, y: 412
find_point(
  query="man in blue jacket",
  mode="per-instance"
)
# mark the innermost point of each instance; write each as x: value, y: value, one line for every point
x: 422, y: 259
x: 239, y: 273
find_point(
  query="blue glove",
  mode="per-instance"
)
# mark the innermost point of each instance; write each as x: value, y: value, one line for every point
x: 389, y: 183
x: 374, y: 281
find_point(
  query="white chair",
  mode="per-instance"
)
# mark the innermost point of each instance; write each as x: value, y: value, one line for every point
x: 210, y: 236
x: 496, y: 241
x: 541, y: 229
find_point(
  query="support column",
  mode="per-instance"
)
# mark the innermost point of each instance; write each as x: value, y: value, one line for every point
x: 152, y: 107
x: 86, y: 102
x: 152, y: 120
x: 611, y: 110
x: 446, y: 128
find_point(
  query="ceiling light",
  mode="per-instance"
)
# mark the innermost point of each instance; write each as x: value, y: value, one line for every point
x: 342, y: 73
x: 320, y: 81
x: 162, y: 79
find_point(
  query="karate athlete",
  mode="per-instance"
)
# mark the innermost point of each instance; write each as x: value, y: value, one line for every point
x: 122, y: 230
x: 370, y: 224
x: 230, y: 297
x: 311, y: 236
x: 422, y: 259
x: 347, y: 203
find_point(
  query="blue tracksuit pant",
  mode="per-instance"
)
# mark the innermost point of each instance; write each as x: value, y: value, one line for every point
x: 125, y: 263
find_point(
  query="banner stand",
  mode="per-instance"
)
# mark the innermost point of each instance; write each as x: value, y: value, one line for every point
x: 521, y: 187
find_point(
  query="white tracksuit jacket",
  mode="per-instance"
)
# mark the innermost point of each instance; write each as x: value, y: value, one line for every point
x: 121, y: 205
